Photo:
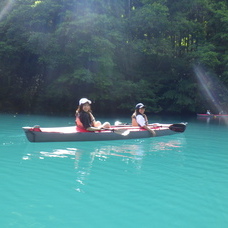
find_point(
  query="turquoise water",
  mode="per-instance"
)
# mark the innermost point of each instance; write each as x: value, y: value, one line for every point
x: 172, y: 181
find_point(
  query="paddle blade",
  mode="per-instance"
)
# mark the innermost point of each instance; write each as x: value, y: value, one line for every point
x: 123, y: 132
x: 177, y: 127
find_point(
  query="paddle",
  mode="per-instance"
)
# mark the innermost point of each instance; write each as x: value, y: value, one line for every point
x: 178, y: 127
x: 123, y: 132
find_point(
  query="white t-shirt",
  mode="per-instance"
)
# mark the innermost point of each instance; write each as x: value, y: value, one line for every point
x: 141, y: 120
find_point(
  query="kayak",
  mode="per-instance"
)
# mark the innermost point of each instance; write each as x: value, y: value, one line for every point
x: 66, y: 134
x: 205, y: 115
x: 72, y: 133
x: 212, y: 115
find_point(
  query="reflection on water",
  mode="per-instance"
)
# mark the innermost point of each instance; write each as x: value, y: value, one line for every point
x: 169, y: 145
x: 136, y: 181
x: 58, y: 153
x: 131, y: 153
x: 214, y: 120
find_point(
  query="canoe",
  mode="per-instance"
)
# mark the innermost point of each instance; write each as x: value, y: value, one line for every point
x: 212, y: 115
x: 67, y: 134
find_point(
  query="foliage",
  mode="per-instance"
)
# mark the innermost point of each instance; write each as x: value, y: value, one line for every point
x: 117, y: 53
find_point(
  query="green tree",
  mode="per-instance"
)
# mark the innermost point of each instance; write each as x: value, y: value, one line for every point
x: 120, y: 52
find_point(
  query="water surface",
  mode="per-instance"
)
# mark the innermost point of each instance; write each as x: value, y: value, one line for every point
x: 171, y: 181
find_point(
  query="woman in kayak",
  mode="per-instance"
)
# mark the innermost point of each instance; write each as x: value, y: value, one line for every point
x: 140, y: 119
x: 85, y: 119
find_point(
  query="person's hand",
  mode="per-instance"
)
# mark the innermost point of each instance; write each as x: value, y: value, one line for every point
x: 153, y: 133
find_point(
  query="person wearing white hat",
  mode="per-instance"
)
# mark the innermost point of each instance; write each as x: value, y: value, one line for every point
x: 140, y: 119
x: 85, y: 119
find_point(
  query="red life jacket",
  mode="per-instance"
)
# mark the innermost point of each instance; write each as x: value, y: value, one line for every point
x: 79, y: 124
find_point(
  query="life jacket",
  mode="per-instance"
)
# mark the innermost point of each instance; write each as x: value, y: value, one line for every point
x: 134, y: 121
x: 79, y: 124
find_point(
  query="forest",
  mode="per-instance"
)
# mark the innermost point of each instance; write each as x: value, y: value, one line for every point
x: 171, y: 55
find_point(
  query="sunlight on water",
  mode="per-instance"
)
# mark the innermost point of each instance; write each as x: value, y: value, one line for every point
x: 61, y: 153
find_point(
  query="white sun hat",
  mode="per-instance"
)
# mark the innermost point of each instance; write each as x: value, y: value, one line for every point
x: 140, y: 105
x: 84, y: 100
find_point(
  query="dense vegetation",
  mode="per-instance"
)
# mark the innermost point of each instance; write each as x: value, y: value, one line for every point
x: 115, y: 52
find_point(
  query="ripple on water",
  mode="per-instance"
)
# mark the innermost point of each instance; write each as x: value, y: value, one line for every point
x: 173, y: 181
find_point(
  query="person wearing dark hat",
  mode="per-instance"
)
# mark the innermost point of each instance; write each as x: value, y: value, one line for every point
x: 85, y: 119
x: 140, y: 119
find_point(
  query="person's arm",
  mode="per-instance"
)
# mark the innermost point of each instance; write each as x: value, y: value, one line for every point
x: 93, y: 128
x: 142, y: 122
x: 87, y: 120
x: 150, y: 130
x: 92, y: 118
